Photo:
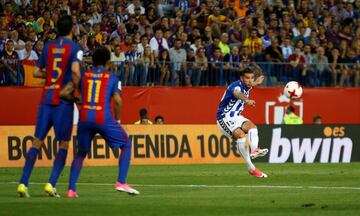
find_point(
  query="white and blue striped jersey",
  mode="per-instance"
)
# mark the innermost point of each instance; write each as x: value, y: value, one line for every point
x: 229, y: 104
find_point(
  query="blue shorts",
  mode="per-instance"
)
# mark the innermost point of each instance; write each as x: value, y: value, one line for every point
x: 113, y: 133
x: 59, y: 116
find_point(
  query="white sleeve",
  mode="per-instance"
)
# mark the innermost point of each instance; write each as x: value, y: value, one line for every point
x: 153, y: 44
x: 165, y: 44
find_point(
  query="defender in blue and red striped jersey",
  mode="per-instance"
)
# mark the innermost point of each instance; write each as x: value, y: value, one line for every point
x: 59, y: 65
x: 98, y: 87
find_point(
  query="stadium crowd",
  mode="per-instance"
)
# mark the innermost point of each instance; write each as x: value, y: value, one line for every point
x: 194, y: 42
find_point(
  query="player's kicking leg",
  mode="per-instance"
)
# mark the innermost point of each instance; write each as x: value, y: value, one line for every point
x: 240, y: 140
x: 253, y: 138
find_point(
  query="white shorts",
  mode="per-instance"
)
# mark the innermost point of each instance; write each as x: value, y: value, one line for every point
x: 228, y: 125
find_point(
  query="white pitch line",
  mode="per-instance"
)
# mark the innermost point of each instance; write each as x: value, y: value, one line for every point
x: 215, y: 186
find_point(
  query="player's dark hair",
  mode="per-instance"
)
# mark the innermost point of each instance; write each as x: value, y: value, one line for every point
x: 64, y: 25
x: 101, y: 56
x: 252, y: 68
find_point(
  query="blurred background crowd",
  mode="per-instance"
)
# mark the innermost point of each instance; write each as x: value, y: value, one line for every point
x: 193, y: 42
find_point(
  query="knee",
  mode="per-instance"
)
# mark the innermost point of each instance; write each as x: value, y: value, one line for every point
x: 64, y: 144
x: 238, y: 134
x: 253, y: 126
x: 82, y: 153
x: 36, y: 143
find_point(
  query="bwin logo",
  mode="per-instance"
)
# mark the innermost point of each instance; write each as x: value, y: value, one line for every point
x: 309, y: 148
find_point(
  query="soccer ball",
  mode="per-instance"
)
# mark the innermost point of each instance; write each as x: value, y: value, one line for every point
x: 293, y: 90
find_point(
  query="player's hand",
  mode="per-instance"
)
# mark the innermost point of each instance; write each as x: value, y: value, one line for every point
x: 259, y: 80
x: 250, y: 102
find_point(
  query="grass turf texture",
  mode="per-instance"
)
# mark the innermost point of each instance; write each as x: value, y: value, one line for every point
x: 165, y: 190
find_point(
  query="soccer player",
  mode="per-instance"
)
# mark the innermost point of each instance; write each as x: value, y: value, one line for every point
x: 98, y: 86
x: 232, y: 124
x: 58, y: 64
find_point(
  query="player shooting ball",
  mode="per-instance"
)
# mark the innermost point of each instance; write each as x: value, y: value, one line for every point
x: 235, y: 126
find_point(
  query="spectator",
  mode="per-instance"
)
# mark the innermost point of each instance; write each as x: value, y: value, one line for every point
x: 163, y: 64
x: 183, y: 6
x: 321, y: 64
x: 200, y: 67
x: 317, y: 120
x: 133, y: 68
x: 197, y: 44
x: 117, y: 60
x: 18, y: 43
x: 39, y: 45
x: 164, y: 7
x: 217, y: 21
x: 273, y: 54
x: 11, y: 65
x: 291, y: 118
x: 28, y: 53
x: 216, y: 68
x: 286, y: 48
x: 297, y: 66
x: 143, y: 117
x: 158, y: 42
x: 223, y: 45
x: 159, y: 119
x: 135, y: 4
x: 253, y: 41
x: 120, y: 32
x: 3, y: 37
x: 232, y: 65
x: 144, y: 42
x: 126, y: 43
x: 207, y: 38
x: 95, y: 15
x: 184, y: 42
x: 201, y: 14
x: 316, y: 24
x: 148, y: 60
x: 178, y: 58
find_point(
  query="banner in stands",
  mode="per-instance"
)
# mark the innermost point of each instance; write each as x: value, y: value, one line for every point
x: 198, y: 105
x: 195, y: 144
x: 29, y: 80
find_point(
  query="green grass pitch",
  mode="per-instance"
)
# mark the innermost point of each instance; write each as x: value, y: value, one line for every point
x: 291, y: 189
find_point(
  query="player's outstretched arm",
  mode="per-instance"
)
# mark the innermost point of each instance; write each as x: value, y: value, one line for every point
x: 240, y: 96
x: 259, y: 80
x: 117, y: 106
x: 39, y: 73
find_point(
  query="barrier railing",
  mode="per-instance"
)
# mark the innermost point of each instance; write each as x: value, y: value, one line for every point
x: 211, y: 73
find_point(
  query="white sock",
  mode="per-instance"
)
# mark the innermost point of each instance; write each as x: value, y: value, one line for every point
x: 253, y: 139
x: 241, y: 145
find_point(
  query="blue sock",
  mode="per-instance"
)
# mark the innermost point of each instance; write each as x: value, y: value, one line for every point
x: 124, y: 163
x: 29, y: 165
x: 76, y: 166
x: 58, y: 166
